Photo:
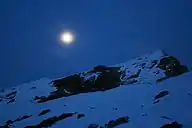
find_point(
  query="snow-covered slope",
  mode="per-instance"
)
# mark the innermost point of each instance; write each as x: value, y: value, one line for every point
x: 131, y: 94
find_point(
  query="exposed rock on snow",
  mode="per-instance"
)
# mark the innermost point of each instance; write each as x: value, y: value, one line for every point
x: 10, y: 122
x: 157, y: 67
x: 103, y: 97
x: 161, y: 94
x: 172, y: 66
x: 112, y: 123
x: 50, y: 121
x: 44, y: 112
x: 80, y: 116
x: 172, y: 125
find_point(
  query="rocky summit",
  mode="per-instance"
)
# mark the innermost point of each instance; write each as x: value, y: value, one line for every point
x: 149, y: 91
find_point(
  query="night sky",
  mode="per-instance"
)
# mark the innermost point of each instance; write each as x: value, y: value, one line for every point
x: 107, y: 32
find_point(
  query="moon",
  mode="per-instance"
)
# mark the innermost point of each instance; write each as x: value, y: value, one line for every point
x: 67, y: 37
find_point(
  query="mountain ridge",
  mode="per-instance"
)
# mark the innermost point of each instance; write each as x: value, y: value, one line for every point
x: 147, y: 70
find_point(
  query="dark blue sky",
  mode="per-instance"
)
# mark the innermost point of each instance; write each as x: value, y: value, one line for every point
x: 108, y: 32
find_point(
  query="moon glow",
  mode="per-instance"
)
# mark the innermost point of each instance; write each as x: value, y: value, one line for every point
x: 67, y: 37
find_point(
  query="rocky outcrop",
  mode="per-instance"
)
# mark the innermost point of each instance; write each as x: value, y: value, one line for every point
x: 107, y: 78
x: 117, y: 122
x: 80, y: 116
x: 112, y: 123
x: 161, y: 94
x: 50, y: 121
x: 102, y: 78
x: 172, y: 125
x: 9, y: 98
x: 10, y: 122
x: 172, y: 66
x: 144, y: 70
x: 44, y: 112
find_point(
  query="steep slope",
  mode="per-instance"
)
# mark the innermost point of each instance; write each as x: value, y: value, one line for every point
x: 123, y: 95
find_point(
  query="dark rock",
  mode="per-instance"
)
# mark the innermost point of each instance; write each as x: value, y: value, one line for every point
x: 162, y: 79
x: 115, y: 109
x: 33, y: 88
x: 189, y: 94
x: 65, y: 115
x: 183, y: 69
x: 161, y: 94
x: 37, y: 98
x: 172, y: 125
x: 139, y: 58
x: 135, y: 75
x: 165, y: 117
x: 9, y: 122
x: 93, y: 126
x: 11, y: 101
x: 92, y: 107
x: 172, y: 66
x: 107, y: 80
x: 44, y: 112
x: 153, y: 64
x: 71, y: 83
x: 167, y: 62
x: 22, y: 118
x: 75, y: 84
x: 50, y: 121
x: 157, y: 72
x: 145, y: 114
x: 5, y: 126
x: 80, y: 116
x: 119, y: 121
x: 100, y: 68
x: 11, y: 95
x: 143, y: 65
x: 111, y: 123
x: 32, y: 127
x: 25, y: 117
x: 156, y: 101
